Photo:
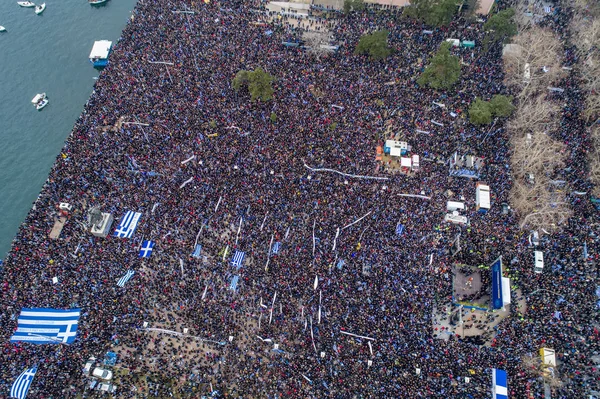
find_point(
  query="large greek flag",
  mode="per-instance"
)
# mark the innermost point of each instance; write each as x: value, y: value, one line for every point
x: 146, y: 250
x: 125, y: 278
x: 128, y: 224
x: 46, y: 326
x: 22, y: 383
x: 238, y: 259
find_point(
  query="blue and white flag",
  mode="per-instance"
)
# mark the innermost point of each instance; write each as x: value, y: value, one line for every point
x: 125, y: 278
x: 128, y: 224
x: 341, y: 264
x: 47, y: 326
x: 233, y: 284
x: 146, y: 250
x: 499, y: 384
x: 238, y: 259
x: 21, y: 385
x: 399, y: 229
x: 276, y: 248
x: 197, y: 251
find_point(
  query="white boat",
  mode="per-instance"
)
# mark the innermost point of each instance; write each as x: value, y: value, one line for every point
x: 40, y: 101
x: 2, y: 28
x: 26, y: 3
x: 40, y: 9
x: 97, y: 2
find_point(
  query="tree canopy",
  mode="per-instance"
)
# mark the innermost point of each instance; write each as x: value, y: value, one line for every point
x: 481, y: 112
x: 353, y: 5
x: 374, y: 44
x: 258, y: 82
x: 501, y: 25
x: 433, y: 12
x: 443, y: 71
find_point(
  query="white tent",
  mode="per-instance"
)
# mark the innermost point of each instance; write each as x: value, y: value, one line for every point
x: 405, y: 162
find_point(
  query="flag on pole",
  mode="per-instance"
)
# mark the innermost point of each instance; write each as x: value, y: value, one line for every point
x: 341, y: 264
x: 276, y: 248
x: 21, y: 385
x: 233, y: 284
x: 146, y: 250
x: 197, y: 251
x: 128, y: 224
x: 125, y: 278
x: 399, y: 229
x: 47, y: 326
x: 238, y: 259
x: 316, y: 282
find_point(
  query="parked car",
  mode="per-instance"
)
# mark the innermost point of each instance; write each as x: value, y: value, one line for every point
x: 102, y: 373
x: 88, y: 365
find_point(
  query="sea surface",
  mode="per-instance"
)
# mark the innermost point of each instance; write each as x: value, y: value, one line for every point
x: 44, y: 53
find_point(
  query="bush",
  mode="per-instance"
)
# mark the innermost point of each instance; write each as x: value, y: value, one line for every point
x: 480, y: 113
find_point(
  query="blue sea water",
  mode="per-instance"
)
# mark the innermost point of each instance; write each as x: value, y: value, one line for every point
x: 44, y: 53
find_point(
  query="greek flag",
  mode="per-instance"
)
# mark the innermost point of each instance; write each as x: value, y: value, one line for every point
x: 146, y: 250
x: 238, y: 259
x: 197, y: 251
x: 46, y: 326
x: 125, y: 278
x: 22, y: 383
x: 128, y: 224
x: 276, y: 248
x: 233, y: 284
x: 499, y: 384
x: 340, y: 264
x: 547, y: 9
x: 399, y: 229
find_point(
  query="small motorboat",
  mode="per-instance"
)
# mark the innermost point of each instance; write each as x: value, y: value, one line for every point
x: 40, y: 9
x: 26, y: 3
x: 40, y: 101
x: 97, y: 2
x: 2, y: 28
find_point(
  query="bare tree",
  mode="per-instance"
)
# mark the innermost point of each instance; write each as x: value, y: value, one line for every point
x: 536, y: 52
x: 586, y: 31
x: 536, y: 156
x: 534, y: 114
x: 313, y: 40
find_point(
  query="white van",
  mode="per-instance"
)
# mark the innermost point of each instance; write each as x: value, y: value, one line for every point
x: 104, y: 387
x: 102, y: 373
x: 539, y: 261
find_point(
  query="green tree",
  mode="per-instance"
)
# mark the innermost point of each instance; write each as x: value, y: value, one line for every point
x: 480, y: 113
x: 443, y: 71
x: 353, y: 5
x: 374, y: 44
x: 501, y: 106
x: 433, y: 12
x: 259, y: 83
x: 501, y: 25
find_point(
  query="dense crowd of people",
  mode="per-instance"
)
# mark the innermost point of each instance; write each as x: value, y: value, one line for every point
x: 248, y: 166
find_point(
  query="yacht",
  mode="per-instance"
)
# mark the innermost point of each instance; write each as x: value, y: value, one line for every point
x: 26, y: 3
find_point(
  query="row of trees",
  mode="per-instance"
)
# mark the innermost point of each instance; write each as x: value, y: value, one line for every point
x: 532, y: 62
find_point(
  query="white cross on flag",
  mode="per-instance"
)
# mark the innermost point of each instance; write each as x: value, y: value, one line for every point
x: 47, y: 326
x: 146, y: 250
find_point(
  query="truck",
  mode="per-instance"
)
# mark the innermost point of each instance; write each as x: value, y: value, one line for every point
x: 482, y: 197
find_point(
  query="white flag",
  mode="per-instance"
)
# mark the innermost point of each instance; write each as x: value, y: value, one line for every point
x: 316, y: 282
